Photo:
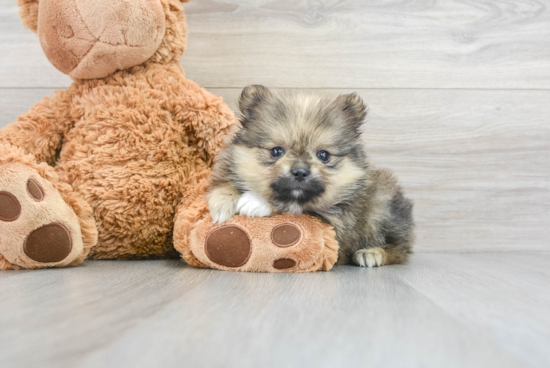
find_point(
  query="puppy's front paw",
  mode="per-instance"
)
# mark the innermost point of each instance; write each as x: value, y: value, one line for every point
x: 221, y: 214
x: 222, y: 204
x: 252, y: 205
x: 372, y: 257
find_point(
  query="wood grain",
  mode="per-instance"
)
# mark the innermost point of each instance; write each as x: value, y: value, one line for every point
x: 335, y: 43
x: 437, y: 311
x: 365, y: 44
x: 476, y: 163
x: 503, y: 295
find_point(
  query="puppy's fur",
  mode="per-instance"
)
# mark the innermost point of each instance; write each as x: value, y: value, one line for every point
x: 366, y: 206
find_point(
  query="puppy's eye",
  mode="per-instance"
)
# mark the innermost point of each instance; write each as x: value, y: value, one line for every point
x: 277, y: 152
x: 323, y: 156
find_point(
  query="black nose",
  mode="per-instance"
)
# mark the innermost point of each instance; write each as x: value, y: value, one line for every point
x: 300, y: 174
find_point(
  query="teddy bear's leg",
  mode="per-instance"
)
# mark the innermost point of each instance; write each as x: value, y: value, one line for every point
x: 43, y: 223
x: 282, y: 243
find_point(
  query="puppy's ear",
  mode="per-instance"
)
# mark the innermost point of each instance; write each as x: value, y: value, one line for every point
x: 251, y: 97
x: 353, y: 108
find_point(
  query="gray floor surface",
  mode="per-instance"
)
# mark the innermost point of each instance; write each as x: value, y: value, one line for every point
x: 440, y: 310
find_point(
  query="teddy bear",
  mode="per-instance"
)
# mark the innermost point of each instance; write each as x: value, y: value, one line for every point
x: 117, y: 165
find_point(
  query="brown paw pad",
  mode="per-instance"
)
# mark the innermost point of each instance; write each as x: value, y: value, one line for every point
x: 35, y: 190
x: 228, y: 246
x: 10, y: 208
x: 284, y: 263
x: 285, y: 235
x: 49, y: 243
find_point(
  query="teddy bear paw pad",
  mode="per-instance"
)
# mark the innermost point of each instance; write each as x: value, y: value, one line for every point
x: 49, y: 243
x: 37, y: 227
x: 10, y: 208
x: 285, y: 235
x: 228, y: 246
x: 284, y: 263
x: 34, y: 190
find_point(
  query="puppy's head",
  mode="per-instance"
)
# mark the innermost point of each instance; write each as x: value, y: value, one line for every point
x: 299, y: 150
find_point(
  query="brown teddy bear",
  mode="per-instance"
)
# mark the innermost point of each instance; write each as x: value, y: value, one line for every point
x: 116, y: 166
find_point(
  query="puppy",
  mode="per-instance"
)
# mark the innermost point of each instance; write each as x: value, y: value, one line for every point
x: 301, y: 153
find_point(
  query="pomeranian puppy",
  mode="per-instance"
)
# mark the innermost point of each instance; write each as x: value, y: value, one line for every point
x: 299, y: 152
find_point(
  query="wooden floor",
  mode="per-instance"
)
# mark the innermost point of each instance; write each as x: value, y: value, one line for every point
x: 459, y: 107
x: 441, y: 310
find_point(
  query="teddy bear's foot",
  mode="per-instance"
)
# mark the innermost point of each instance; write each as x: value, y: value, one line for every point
x: 281, y: 243
x: 38, y: 228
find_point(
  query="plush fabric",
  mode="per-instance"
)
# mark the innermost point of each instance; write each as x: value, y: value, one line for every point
x: 125, y: 150
x: 59, y: 199
x: 92, y: 39
x: 315, y: 250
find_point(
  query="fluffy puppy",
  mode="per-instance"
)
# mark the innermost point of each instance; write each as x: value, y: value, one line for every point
x: 302, y: 153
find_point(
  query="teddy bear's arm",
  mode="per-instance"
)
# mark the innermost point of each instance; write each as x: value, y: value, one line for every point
x: 211, y: 121
x: 215, y: 124
x: 40, y: 130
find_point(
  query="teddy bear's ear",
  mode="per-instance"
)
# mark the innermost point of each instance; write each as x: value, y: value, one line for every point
x: 28, y: 11
x: 251, y: 97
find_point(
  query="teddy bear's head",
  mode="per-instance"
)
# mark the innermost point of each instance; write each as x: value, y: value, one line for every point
x: 89, y: 39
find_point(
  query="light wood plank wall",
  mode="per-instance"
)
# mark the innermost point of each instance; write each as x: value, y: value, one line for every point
x: 458, y: 94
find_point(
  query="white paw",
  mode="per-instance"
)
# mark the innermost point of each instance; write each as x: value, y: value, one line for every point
x: 252, y: 205
x: 373, y: 257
